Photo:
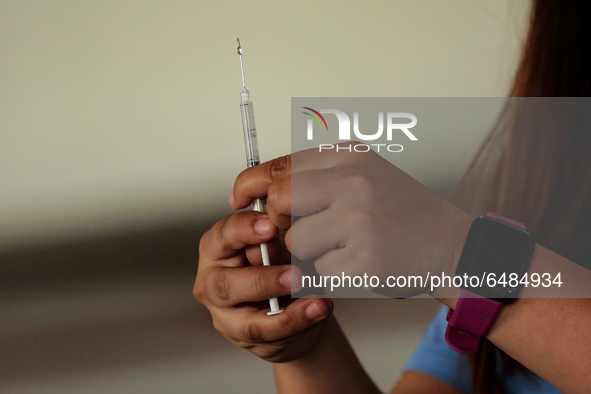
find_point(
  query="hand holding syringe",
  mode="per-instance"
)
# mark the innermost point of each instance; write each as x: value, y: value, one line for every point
x: 252, y: 159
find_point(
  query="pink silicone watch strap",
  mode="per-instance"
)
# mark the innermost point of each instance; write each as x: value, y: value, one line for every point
x: 472, y: 319
x: 474, y: 315
x: 506, y: 220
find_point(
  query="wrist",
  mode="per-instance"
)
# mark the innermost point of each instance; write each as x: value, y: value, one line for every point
x: 310, y: 350
x: 495, y: 245
x: 459, y: 236
x: 457, y: 228
x: 322, y: 367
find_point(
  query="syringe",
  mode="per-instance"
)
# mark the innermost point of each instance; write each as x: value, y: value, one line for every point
x: 252, y: 159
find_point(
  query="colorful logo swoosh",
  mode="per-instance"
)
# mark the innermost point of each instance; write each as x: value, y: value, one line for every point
x: 315, y: 118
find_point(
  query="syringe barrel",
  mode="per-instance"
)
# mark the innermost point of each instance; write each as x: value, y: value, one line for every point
x: 249, y: 129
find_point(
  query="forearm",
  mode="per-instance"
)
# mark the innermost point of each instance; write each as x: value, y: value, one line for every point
x: 331, y: 367
x: 550, y: 336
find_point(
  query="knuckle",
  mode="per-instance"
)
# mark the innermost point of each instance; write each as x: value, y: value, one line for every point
x: 293, y: 325
x: 276, y: 193
x: 359, y: 186
x: 217, y: 326
x: 279, y: 167
x: 368, y: 256
x: 299, y: 251
x: 301, y: 233
x: 362, y: 222
x: 357, y: 182
x: 260, y: 283
x: 273, y: 354
x: 221, y: 287
x: 253, y: 333
x: 198, y: 291
x: 220, y: 228
x: 204, y: 242
x: 214, y: 238
x: 273, y: 191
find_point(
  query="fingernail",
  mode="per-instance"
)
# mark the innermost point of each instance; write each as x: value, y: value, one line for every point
x: 262, y: 226
x: 314, y: 312
x: 286, y: 279
x: 231, y: 199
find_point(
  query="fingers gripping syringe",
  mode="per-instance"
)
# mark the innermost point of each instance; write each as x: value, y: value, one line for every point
x: 252, y: 159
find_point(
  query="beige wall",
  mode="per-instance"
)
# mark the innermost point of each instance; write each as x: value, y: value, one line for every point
x: 121, y: 113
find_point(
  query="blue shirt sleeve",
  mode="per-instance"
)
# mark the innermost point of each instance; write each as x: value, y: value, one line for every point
x: 435, y: 358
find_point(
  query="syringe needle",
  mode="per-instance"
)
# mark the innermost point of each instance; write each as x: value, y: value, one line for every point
x: 239, y: 50
x: 252, y: 159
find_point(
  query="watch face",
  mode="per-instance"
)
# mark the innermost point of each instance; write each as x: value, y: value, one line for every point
x: 499, y: 255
